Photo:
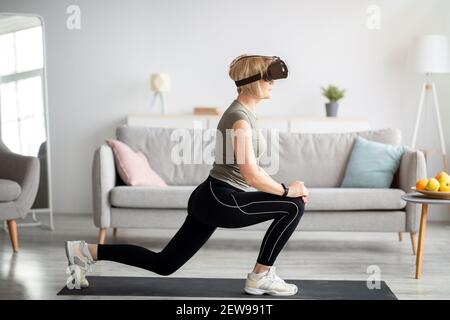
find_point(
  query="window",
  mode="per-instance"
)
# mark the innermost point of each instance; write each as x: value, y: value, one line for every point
x: 21, y: 90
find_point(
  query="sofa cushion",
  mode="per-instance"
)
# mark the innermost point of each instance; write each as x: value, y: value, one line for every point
x: 9, y: 190
x: 176, y: 197
x: 151, y: 196
x: 323, y: 199
x: 372, y: 164
x: 133, y: 167
x: 318, y: 159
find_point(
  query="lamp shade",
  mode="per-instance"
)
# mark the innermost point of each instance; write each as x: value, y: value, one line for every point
x: 160, y: 82
x: 431, y: 54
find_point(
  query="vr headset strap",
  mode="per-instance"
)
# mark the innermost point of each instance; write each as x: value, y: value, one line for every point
x: 248, y: 80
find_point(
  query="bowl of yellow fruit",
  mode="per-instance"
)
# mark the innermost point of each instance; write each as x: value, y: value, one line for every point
x: 437, y: 187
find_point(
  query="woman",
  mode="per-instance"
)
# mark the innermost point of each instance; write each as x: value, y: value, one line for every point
x: 236, y: 194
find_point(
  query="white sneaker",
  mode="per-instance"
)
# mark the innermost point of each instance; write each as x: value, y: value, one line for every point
x: 79, y: 261
x: 269, y: 283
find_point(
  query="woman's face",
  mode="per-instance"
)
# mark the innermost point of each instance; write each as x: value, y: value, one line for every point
x: 266, y: 87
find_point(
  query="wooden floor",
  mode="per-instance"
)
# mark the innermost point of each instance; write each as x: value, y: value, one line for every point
x: 38, y: 271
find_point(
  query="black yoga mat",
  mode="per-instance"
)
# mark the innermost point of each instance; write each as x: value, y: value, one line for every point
x: 225, y: 288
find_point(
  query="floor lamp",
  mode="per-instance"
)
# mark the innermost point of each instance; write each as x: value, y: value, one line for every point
x: 160, y: 83
x: 431, y: 56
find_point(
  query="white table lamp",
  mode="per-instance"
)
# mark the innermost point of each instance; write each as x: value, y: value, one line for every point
x: 431, y: 55
x: 159, y: 83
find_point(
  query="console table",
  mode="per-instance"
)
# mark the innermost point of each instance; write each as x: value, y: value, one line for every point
x: 306, y: 124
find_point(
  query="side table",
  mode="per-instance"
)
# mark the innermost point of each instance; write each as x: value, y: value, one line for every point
x: 416, y: 197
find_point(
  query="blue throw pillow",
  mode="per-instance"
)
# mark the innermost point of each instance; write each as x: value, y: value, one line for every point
x: 372, y: 164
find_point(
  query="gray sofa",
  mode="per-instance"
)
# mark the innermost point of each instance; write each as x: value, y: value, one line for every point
x: 319, y: 160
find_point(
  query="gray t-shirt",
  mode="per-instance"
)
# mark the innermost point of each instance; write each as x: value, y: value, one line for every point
x: 225, y: 166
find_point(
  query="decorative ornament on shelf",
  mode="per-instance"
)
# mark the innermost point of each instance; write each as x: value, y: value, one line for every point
x: 200, y: 110
x: 333, y: 94
x: 159, y: 84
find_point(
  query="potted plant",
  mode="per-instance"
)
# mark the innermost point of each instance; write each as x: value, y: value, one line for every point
x: 333, y: 94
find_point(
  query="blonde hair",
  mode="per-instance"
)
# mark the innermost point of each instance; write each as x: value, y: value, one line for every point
x: 248, y: 67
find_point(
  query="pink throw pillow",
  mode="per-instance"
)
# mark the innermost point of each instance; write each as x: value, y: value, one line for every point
x: 133, y: 167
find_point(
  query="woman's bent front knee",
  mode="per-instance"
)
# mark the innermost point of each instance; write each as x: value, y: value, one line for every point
x: 299, y: 205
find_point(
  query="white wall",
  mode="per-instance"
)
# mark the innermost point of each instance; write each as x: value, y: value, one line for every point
x: 99, y: 74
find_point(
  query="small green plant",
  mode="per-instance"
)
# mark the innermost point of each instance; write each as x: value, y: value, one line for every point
x: 333, y: 93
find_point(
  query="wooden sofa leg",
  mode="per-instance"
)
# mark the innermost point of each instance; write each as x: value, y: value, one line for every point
x: 115, y: 232
x: 414, y: 243
x: 400, y: 236
x: 101, y: 236
x: 12, y: 227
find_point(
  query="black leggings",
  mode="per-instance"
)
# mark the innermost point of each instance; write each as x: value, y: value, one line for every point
x: 213, y: 204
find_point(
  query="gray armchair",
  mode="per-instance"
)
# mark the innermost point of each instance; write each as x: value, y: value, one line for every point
x: 19, y: 181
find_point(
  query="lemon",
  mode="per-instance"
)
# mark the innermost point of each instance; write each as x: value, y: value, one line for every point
x: 444, y: 182
x: 433, y: 185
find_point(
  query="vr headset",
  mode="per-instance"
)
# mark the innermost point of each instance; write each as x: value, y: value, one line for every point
x: 276, y: 70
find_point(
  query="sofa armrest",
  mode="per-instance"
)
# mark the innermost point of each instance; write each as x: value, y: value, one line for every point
x: 412, y: 168
x: 103, y: 181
